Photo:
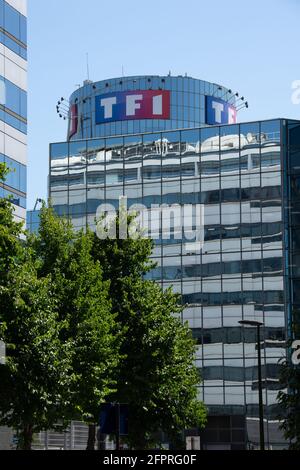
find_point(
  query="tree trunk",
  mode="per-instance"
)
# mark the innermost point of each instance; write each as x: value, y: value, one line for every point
x: 27, y: 437
x: 92, y: 437
x: 101, y: 441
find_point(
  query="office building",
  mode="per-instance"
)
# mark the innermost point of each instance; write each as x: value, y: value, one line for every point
x: 13, y: 115
x: 246, y: 179
x: 13, y: 101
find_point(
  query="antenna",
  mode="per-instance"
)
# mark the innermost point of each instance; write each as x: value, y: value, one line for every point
x: 87, y: 66
x: 122, y: 70
x: 38, y: 201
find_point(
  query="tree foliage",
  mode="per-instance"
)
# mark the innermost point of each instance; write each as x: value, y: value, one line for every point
x: 57, y: 324
x: 83, y: 326
x: 83, y: 305
x: 37, y: 374
x: 10, y: 231
x: 289, y: 402
x: 34, y: 378
x: 157, y: 375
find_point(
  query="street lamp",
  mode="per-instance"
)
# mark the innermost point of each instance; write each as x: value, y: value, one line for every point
x: 258, y: 324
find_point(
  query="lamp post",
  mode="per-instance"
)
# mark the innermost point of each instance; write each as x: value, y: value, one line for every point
x: 258, y: 324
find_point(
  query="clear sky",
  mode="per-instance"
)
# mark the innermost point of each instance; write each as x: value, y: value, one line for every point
x: 250, y: 46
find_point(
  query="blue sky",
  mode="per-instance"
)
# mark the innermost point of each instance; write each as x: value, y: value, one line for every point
x: 251, y: 47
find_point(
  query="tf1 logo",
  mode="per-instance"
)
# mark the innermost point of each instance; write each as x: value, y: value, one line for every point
x: 138, y: 104
x: 219, y: 112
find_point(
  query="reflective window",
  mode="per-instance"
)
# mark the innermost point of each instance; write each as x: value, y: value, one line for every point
x: 152, y: 158
x: 210, y: 147
x: 171, y: 155
x: 13, y: 98
x: 11, y: 20
x: 96, y: 163
x: 17, y: 177
x: 114, y: 161
x: 133, y: 159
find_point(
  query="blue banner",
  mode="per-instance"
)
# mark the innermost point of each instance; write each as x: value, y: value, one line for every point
x: 219, y: 112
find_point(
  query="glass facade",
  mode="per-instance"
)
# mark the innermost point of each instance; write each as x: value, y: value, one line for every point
x: 13, y: 101
x: 242, y: 175
x: 33, y: 221
x: 13, y: 28
x: 292, y: 223
x: 187, y: 104
x: 14, y: 110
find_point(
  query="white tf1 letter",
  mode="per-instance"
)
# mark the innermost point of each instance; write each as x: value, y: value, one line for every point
x: 219, y: 108
x: 107, y: 104
x: 132, y: 105
x: 157, y: 105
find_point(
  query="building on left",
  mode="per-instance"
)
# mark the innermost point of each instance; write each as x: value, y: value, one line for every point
x: 13, y: 101
x: 13, y: 117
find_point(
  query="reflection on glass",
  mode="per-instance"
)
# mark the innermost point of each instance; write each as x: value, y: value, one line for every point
x: 96, y: 163
x: 133, y: 159
x: 59, y: 158
x: 114, y: 162
x: 153, y: 148
x: 235, y: 172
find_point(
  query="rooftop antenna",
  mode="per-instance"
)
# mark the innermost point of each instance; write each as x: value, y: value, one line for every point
x: 88, y: 66
x: 122, y: 70
x: 38, y: 201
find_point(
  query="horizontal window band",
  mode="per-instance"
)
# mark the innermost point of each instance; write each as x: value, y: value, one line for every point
x: 11, y: 160
x: 16, y: 178
x: 13, y: 190
x: 10, y: 36
x: 15, y: 198
x: 21, y: 127
x: 12, y: 113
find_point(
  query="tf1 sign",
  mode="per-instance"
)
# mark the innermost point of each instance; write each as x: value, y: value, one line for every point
x: 138, y: 104
x: 219, y: 112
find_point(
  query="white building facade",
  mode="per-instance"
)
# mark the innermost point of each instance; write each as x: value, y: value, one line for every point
x: 13, y: 117
x: 13, y: 101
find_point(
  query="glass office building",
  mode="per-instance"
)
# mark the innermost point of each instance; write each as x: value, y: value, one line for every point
x: 13, y: 101
x: 245, y: 179
x: 33, y: 221
x: 246, y: 176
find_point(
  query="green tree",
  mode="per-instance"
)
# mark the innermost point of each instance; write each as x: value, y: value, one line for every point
x: 34, y: 378
x: 37, y: 373
x: 57, y: 324
x: 84, y: 307
x: 10, y: 232
x: 157, y: 376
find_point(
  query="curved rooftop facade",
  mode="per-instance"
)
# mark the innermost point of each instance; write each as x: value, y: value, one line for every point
x: 149, y: 103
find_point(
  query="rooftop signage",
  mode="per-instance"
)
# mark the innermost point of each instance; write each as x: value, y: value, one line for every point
x: 131, y: 105
x: 73, y: 120
x: 219, y: 111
